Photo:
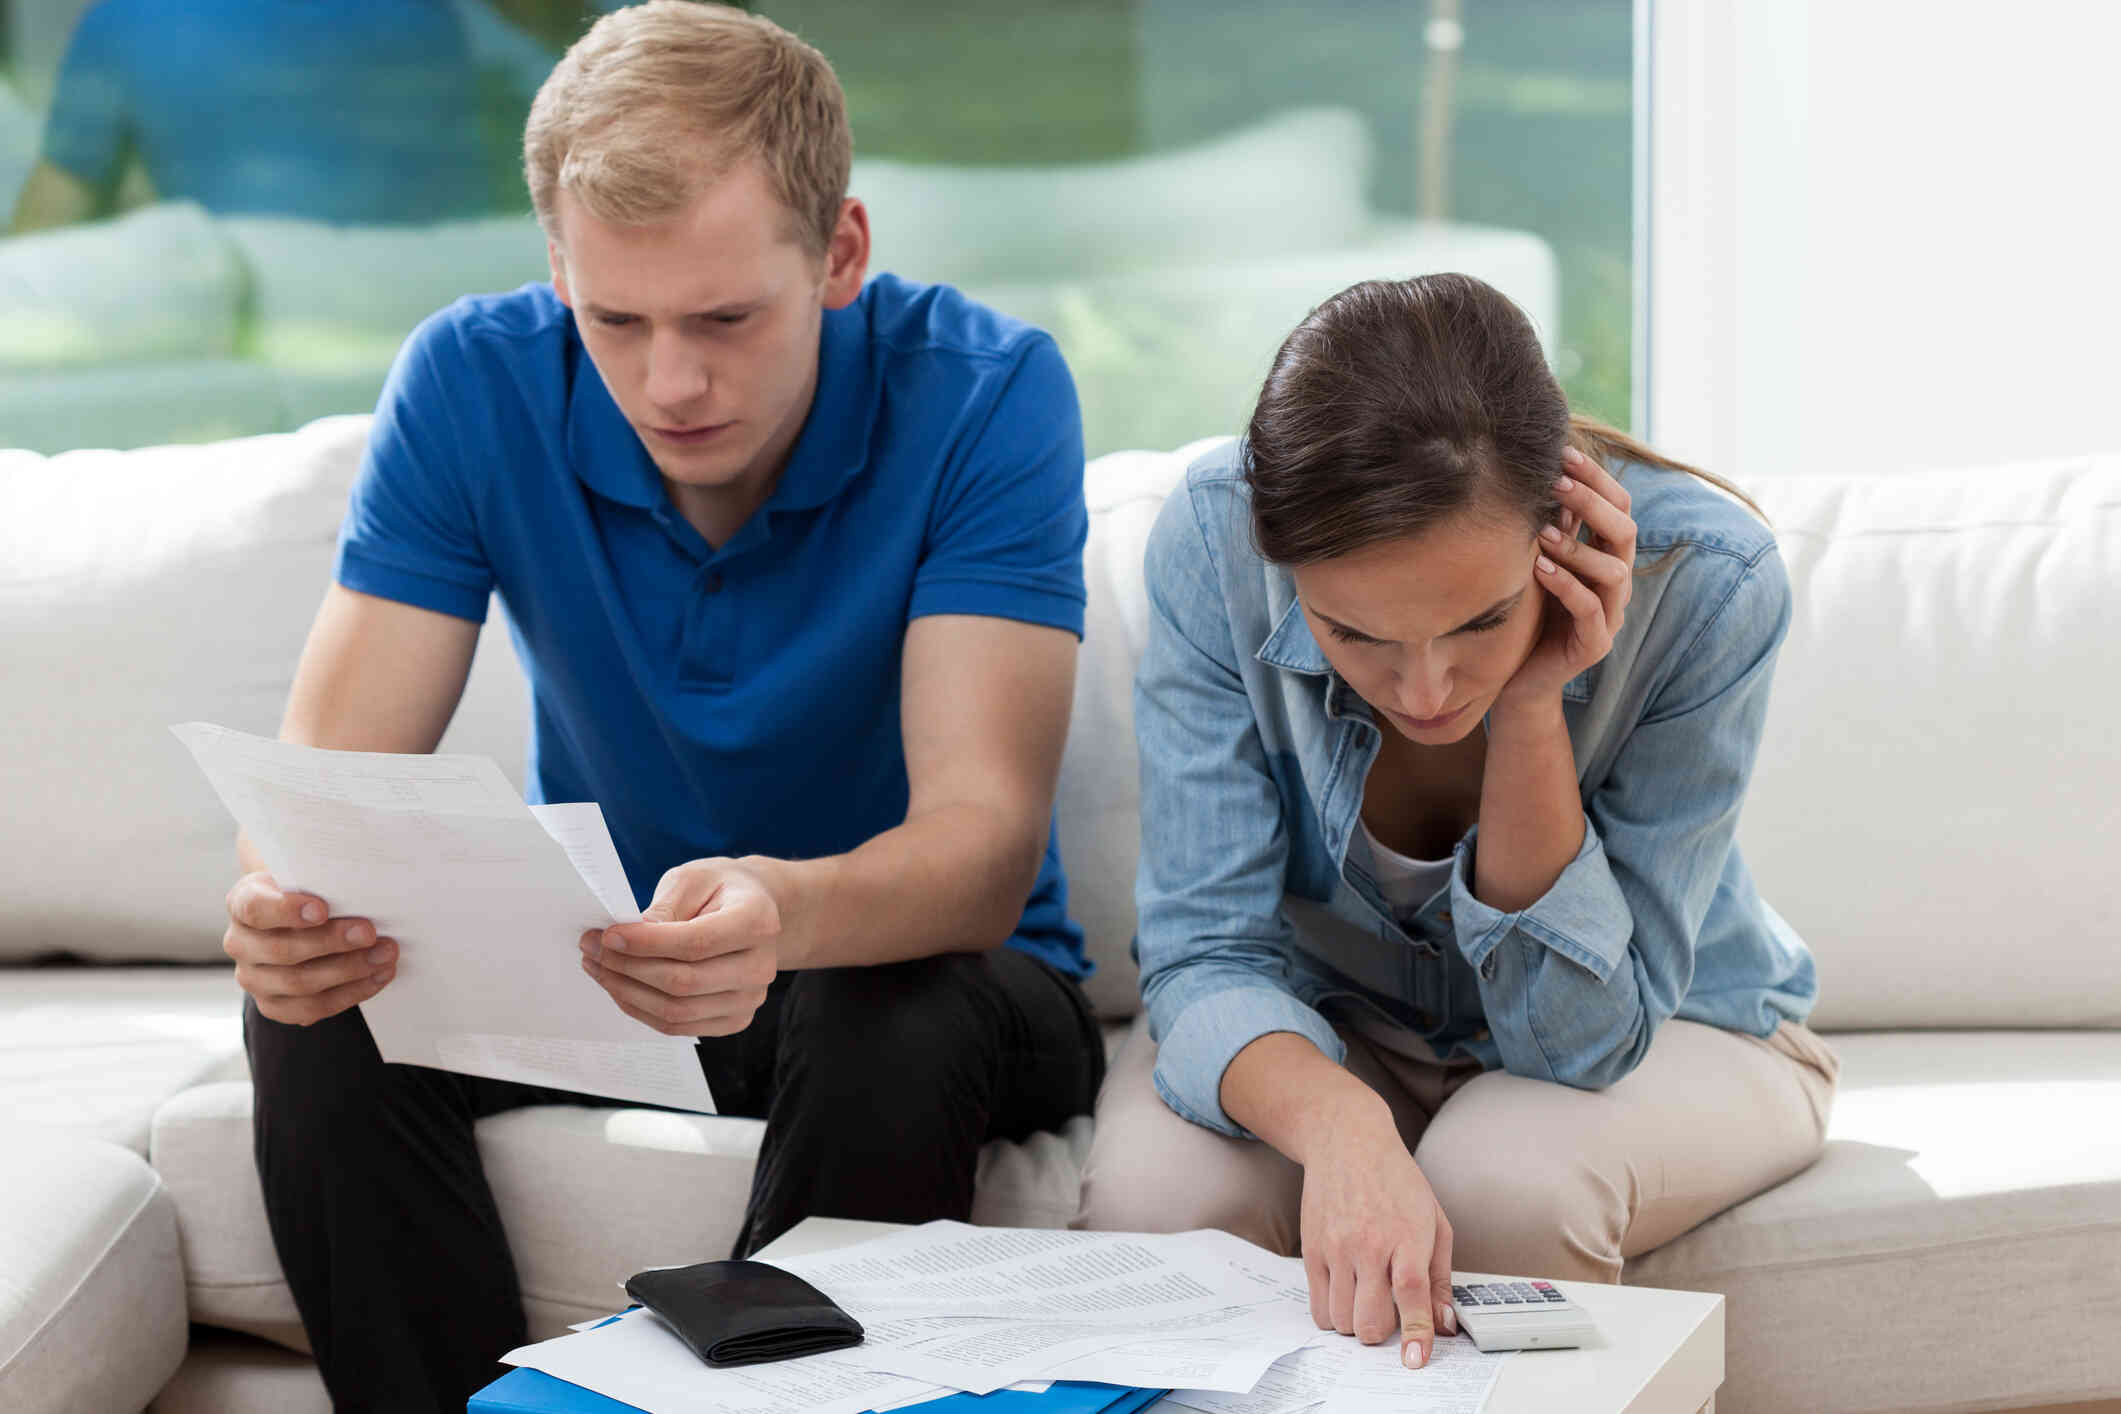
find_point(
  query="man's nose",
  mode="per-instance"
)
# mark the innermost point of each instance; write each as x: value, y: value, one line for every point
x: 677, y: 375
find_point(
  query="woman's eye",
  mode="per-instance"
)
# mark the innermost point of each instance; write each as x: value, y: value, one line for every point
x: 1347, y: 637
x: 1486, y: 624
x: 731, y: 318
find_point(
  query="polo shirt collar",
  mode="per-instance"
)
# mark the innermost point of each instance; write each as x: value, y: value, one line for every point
x: 831, y: 449
x: 834, y: 443
x: 606, y: 451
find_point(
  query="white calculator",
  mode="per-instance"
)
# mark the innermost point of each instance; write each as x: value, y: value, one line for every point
x: 1505, y: 1314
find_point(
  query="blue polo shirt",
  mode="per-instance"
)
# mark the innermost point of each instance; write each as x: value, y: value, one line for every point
x: 743, y: 699
x: 360, y: 113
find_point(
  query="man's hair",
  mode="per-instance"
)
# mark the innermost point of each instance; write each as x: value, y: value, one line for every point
x: 659, y: 99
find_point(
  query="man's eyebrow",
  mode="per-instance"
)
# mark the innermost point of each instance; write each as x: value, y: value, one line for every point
x: 735, y: 306
x: 1493, y: 609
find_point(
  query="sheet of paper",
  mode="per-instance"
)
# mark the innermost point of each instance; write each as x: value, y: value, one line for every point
x: 1457, y: 1380
x: 1154, y: 1311
x: 637, y: 1360
x: 1295, y: 1382
x: 486, y: 904
x: 949, y: 1268
x: 581, y: 831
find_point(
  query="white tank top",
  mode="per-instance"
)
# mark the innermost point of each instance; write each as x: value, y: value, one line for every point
x: 1406, y: 883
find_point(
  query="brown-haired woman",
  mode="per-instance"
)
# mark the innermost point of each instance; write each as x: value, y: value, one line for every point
x: 1447, y: 953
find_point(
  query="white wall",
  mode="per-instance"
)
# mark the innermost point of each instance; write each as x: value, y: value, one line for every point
x: 1882, y: 234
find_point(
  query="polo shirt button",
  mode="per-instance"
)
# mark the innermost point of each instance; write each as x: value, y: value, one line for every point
x: 713, y: 584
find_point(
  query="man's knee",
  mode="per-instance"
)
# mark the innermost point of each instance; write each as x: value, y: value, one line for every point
x: 909, y: 1035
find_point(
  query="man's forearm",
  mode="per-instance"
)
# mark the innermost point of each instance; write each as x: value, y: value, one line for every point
x: 952, y: 880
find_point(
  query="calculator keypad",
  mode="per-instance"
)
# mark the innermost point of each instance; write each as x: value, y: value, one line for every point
x: 1503, y: 1297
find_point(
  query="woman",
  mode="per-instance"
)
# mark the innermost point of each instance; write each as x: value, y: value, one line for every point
x: 1447, y: 953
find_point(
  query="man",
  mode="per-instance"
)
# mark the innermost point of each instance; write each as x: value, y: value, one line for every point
x: 346, y: 113
x: 795, y: 567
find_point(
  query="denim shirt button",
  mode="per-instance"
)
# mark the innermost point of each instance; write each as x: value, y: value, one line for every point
x: 1481, y: 1034
x: 1443, y: 915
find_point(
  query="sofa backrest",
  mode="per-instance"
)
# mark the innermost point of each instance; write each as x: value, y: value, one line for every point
x: 1935, y: 806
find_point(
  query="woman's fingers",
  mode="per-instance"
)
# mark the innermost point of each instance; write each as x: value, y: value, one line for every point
x: 1341, y: 1301
x: 1591, y: 637
x: 1321, y: 1283
x: 1376, y: 1316
x: 1611, y: 577
x: 1592, y: 492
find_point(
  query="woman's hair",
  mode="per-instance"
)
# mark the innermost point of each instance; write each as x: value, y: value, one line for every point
x: 658, y: 99
x: 1399, y: 403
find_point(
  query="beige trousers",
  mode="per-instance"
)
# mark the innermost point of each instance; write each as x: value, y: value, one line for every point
x: 1536, y: 1178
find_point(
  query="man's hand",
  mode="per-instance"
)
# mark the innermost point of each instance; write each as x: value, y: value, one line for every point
x: 1377, y: 1247
x: 297, y: 962
x: 699, y: 961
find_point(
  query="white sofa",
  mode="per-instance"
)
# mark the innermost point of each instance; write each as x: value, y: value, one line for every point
x: 1935, y: 809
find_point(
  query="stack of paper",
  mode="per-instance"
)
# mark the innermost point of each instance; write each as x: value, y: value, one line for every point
x: 1029, y: 1320
x: 485, y: 895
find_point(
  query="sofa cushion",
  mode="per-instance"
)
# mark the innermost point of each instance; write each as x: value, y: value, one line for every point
x: 226, y: 1373
x: 1968, y: 1179
x: 589, y: 1196
x: 157, y: 283
x: 1295, y: 182
x: 1938, y: 790
x: 91, y: 1291
x: 140, y: 589
x: 94, y: 1051
x: 342, y: 298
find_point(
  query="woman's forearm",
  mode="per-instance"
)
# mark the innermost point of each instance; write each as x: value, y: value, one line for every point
x: 1531, y: 818
x: 1289, y: 1093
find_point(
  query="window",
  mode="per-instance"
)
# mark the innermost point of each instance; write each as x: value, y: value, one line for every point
x: 1165, y: 185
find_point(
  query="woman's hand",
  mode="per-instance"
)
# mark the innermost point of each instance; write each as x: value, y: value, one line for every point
x: 1377, y: 1247
x: 1589, y: 582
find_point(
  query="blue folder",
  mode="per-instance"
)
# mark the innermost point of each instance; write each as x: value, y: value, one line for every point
x: 535, y: 1392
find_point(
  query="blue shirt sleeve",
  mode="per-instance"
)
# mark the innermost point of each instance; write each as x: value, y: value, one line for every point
x: 1006, y: 533
x: 1576, y: 984
x: 1212, y: 938
x: 85, y: 132
x: 411, y: 533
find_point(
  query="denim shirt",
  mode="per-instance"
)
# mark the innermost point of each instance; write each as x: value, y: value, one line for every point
x: 1259, y: 910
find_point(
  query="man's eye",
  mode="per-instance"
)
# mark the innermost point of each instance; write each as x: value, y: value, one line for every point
x: 614, y: 321
x: 732, y: 318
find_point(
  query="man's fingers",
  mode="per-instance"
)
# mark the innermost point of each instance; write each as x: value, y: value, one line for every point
x: 281, y: 948
x: 730, y: 972
x: 257, y: 902
x: 711, y: 934
x: 318, y: 975
x: 1411, y: 1294
x: 307, y: 1011
x: 678, y: 1016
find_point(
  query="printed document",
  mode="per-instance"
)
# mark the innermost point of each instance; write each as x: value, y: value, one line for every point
x: 1457, y: 1380
x: 486, y: 897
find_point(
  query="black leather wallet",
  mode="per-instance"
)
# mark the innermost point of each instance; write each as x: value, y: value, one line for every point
x: 744, y: 1313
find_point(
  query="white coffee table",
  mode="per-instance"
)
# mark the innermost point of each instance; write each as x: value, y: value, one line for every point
x: 1658, y: 1352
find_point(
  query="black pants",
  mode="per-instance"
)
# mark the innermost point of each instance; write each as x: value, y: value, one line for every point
x: 878, y: 1086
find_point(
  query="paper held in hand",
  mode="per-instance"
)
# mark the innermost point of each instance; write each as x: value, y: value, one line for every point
x: 485, y: 895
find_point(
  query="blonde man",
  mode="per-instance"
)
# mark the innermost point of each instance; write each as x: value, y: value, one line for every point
x: 794, y: 562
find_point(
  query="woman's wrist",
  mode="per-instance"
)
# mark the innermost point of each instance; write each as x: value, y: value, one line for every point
x: 1290, y: 1094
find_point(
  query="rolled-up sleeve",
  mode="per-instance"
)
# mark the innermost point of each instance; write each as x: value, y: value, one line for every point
x: 1213, y: 942
x: 1575, y: 984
